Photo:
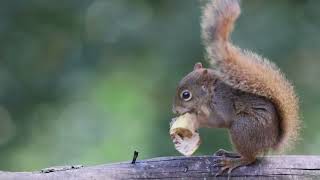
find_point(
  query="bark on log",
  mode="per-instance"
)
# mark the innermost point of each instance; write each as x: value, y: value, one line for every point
x: 197, y: 167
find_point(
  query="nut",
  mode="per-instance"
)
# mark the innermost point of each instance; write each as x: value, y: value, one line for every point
x: 184, y: 133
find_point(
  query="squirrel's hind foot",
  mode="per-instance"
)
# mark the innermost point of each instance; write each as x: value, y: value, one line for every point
x: 224, y: 153
x: 229, y: 164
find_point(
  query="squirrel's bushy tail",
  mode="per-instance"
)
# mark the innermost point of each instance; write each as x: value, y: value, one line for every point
x: 247, y: 71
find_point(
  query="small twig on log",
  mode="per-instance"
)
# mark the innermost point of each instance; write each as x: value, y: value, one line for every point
x: 135, y: 156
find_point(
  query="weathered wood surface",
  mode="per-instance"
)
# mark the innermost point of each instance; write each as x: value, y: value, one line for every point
x: 198, y: 167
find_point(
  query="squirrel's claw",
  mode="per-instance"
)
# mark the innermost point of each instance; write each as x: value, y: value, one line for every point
x: 223, y: 164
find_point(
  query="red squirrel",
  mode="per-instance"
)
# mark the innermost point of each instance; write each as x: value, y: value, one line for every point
x: 243, y: 92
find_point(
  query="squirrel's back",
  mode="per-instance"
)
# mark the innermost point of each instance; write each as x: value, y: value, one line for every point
x: 248, y: 71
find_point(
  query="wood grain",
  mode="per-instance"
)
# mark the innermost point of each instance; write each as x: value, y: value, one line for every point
x: 197, y: 167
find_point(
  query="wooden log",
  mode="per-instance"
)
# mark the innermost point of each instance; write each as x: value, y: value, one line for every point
x: 197, y: 167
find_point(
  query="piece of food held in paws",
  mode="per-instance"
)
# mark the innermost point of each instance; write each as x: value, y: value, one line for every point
x: 183, y: 132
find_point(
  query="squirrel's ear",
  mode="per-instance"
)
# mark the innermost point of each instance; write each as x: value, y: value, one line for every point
x: 197, y: 66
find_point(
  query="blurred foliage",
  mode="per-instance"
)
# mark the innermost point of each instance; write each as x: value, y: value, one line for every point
x: 90, y: 81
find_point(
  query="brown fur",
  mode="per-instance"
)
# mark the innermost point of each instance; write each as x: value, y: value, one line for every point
x: 247, y: 71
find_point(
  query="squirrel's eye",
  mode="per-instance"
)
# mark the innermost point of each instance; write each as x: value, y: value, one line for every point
x: 186, y: 95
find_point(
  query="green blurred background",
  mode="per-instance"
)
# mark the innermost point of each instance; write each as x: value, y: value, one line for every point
x: 90, y: 81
